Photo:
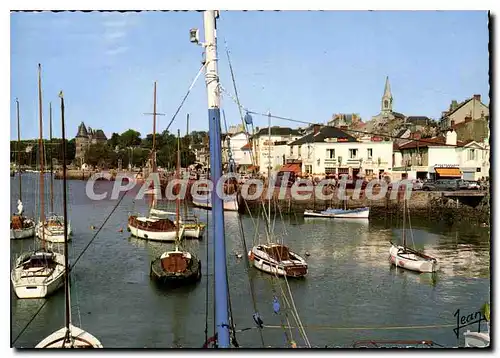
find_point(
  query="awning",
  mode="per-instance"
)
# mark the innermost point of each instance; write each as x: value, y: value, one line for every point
x: 449, y: 172
x: 252, y: 168
x: 296, y: 168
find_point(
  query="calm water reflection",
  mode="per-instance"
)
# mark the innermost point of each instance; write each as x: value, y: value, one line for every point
x: 350, y: 283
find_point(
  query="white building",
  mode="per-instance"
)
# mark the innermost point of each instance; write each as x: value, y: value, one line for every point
x: 274, y: 146
x: 240, y: 149
x: 328, y: 150
x: 442, y: 157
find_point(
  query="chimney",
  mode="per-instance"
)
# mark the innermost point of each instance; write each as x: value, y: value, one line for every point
x: 316, y: 128
x: 477, y: 97
x: 451, y: 137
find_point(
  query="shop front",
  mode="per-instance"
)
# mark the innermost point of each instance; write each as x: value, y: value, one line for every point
x: 446, y: 171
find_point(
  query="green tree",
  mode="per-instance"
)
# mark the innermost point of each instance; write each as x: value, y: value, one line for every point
x: 114, y: 140
x: 130, y: 138
x: 100, y: 155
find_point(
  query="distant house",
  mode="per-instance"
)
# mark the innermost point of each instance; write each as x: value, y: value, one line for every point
x: 471, y: 108
x: 270, y: 148
x: 84, y: 138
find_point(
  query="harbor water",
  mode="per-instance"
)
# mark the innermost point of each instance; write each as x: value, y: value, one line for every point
x: 350, y: 293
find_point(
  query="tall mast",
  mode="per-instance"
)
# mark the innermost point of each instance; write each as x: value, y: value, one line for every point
x: 65, y: 213
x: 153, y: 160
x: 40, y: 149
x: 178, y: 172
x: 220, y: 267
x: 51, y: 172
x: 19, y: 151
x: 404, y: 219
x: 269, y: 171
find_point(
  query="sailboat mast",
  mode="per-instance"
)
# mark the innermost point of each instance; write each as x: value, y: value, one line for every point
x: 404, y: 220
x: 51, y: 169
x: 19, y: 151
x: 153, y: 159
x: 65, y: 213
x: 220, y: 267
x: 178, y: 175
x: 40, y: 149
x: 269, y: 170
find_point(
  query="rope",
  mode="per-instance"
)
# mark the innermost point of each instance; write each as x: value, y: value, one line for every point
x: 185, y: 96
x: 70, y: 268
x: 316, y: 327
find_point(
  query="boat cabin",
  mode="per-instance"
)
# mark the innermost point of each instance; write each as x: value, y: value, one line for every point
x: 175, y: 261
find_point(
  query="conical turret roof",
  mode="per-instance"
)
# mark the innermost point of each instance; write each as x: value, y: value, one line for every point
x: 82, y: 131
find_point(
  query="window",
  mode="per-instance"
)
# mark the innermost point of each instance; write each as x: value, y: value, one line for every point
x: 353, y: 153
x: 369, y: 153
x: 386, y: 104
x: 300, y: 147
x: 369, y: 172
x: 330, y: 154
x: 308, y: 169
x: 291, y: 150
x: 330, y: 171
x: 471, y: 154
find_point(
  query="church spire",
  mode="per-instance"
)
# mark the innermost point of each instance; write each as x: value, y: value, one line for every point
x: 387, y: 97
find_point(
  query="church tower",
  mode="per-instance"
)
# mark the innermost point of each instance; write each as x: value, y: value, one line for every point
x: 387, y: 98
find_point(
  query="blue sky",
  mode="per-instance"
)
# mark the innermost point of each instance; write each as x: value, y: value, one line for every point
x: 304, y: 65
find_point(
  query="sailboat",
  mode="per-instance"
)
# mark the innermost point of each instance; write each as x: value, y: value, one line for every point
x: 274, y: 258
x: 192, y: 227
x: 177, y: 266
x: 408, y: 258
x: 340, y: 213
x: 21, y: 227
x: 153, y: 227
x: 51, y: 229
x: 38, y: 274
x: 69, y: 336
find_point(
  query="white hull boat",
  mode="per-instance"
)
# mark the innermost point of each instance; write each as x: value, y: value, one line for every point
x: 140, y: 229
x: 413, y: 260
x: 38, y: 274
x: 24, y: 233
x: 53, y: 230
x: 78, y: 338
x: 192, y: 228
x: 229, y: 205
x: 278, y: 260
x: 477, y: 339
x: 361, y: 213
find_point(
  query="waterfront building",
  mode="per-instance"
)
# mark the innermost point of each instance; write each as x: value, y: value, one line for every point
x: 441, y: 157
x: 274, y: 146
x: 239, y: 144
x: 328, y: 150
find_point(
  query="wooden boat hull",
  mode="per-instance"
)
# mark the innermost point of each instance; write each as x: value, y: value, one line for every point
x: 293, y: 266
x: 189, y: 274
x: 229, y: 205
x: 37, y: 282
x: 143, y: 232
x: 363, y: 213
x: 411, y: 261
x: 80, y: 338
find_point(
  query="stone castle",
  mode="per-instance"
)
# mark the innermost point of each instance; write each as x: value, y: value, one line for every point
x: 84, y: 138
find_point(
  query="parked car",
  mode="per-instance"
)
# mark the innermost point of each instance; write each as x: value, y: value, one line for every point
x: 441, y: 185
x: 473, y: 185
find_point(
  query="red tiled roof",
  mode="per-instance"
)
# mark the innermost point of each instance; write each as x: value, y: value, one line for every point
x: 428, y: 142
x: 247, y: 146
x: 291, y: 168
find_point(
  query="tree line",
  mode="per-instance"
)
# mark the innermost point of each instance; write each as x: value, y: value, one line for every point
x: 128, y: 148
